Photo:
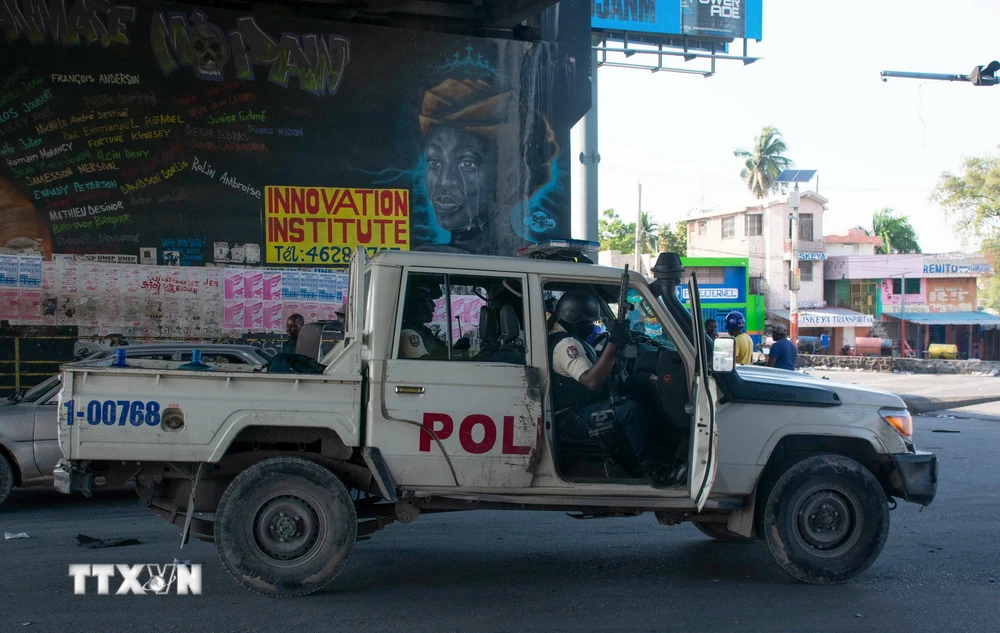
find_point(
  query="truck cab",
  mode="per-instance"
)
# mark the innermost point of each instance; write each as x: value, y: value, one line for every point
x: 439, y: 398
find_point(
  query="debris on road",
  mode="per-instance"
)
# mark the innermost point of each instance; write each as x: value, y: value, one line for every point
x: 101, y: 543
x: 944, y: 431
x: 7, y: 536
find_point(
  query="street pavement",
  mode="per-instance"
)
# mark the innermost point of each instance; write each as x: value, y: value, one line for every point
x: 535, y: 571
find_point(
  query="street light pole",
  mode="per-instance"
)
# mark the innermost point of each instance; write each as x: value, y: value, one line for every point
x: 638, y: 232
x: 793, y: 282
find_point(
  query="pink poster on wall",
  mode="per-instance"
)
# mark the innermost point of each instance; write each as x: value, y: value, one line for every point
x: 8, y: 304
x: 272, y: 286
x: 253, y: 315
x: 253, y: 285
x: 233, y: 318
x: 234, y: 285
x: 273, y: 321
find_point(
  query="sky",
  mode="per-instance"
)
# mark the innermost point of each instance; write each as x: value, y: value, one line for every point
x: 875, y: 144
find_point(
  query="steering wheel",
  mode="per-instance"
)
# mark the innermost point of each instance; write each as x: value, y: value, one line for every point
x: 601, y: 340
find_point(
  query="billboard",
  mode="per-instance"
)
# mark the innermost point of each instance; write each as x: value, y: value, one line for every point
x: 184, y: 135
x: 727, y: 19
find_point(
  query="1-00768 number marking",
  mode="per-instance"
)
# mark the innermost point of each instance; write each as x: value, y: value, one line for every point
x: 115, y: 413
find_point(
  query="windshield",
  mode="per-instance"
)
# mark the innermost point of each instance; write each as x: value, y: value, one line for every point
x: 644, y: 320
x: 39, y: 390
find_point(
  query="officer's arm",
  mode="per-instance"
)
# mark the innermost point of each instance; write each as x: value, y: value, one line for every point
x: 595, y: 377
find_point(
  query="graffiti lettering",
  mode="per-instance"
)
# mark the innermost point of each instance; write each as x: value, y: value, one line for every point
x: 38, y: 101
x: 317, y: 62
x: 58, y: 78
x: 92, y: 20
x: 120, y: 79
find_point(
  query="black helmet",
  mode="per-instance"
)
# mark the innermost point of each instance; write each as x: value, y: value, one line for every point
x: 576, y: 307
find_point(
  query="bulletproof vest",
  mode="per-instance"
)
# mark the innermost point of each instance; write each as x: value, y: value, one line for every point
x: 568, y: 393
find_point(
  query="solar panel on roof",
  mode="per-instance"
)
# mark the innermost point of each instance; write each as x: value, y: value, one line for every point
x: 796, y: 175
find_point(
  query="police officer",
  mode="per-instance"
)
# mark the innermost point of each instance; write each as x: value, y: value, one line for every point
x: 417, y: 340
x: 580, y: 381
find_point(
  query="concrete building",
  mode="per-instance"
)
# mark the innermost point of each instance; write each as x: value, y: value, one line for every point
x: 932, y: 296
x: 856, y: 243
x: 762, y: 234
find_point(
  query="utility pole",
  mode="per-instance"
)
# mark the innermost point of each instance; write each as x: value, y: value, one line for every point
x: 902, y: 308
x: 980, y: 75
x: 793, y: 282
x: 638, y: 232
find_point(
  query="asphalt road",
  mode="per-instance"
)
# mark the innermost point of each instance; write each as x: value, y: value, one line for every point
x: 519, y: 571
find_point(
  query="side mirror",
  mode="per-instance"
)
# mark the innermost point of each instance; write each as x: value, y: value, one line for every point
x: 724, y: 356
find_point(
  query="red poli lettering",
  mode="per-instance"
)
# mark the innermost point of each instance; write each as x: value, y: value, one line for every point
x: 442, y: 426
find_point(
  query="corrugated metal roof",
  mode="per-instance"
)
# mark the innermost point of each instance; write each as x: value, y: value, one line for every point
x: 947, y: 318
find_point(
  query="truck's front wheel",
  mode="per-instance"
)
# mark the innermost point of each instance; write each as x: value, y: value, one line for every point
x: 826, y: 519
x: 285, y: 527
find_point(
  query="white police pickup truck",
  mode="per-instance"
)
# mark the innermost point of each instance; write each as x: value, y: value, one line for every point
x: 284, y: 471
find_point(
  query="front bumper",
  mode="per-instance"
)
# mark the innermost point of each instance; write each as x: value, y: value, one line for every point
x: 68, y: 480
x: 914, y: 477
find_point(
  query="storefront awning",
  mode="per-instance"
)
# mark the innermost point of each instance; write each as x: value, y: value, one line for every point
x: 826, y: 317
x: 948, y: 318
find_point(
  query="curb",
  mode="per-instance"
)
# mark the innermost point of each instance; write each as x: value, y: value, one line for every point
x: 919, y: 405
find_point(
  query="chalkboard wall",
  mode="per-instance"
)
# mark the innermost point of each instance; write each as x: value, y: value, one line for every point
x: 170, y: 134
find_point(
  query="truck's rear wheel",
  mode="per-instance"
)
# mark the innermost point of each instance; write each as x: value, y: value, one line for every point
x: 6, y: 478
x: 826, y: 519
x: 285, y: 527
x: 720, y: 532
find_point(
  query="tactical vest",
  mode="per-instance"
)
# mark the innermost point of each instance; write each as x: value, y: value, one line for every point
x: 568, y: 393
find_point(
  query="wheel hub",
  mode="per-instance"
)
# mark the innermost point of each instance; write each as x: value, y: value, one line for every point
x: 286, y: 527
x: 825, y: 519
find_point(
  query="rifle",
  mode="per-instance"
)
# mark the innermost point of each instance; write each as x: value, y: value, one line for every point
x: 624, y: 307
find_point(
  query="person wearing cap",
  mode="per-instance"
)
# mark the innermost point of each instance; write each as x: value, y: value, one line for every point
x: 417, y: 340
x: 736, y: 326
x: 783, y: 352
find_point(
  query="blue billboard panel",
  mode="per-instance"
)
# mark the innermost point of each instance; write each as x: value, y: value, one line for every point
x: 731, y: 290
x: 639, y: 16
x: 706, y: 18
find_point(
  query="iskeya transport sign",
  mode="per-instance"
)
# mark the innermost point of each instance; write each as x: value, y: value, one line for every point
x: 325, y: 225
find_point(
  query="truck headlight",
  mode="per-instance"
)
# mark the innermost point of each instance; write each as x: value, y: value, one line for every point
x: 900, y: 420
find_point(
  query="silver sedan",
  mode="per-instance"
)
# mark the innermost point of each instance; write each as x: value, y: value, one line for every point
x: 29, y: 445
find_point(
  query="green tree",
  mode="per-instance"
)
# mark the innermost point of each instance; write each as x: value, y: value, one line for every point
x: 649, y: 236
x: 898, y: 235
x: 674, y: 239
x: 614, y: 233
x: 764, y: 162
x: 617, y: 235
x: 972, y: 199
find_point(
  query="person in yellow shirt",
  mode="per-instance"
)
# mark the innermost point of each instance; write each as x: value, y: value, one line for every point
x: 735, y: 325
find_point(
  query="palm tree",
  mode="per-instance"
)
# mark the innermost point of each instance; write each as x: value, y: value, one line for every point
x: 648, y: 234
x: 896, y: 232
x: 764, y: 162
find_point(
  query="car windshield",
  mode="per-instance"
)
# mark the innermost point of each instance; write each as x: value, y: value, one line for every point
x: 39, y: 390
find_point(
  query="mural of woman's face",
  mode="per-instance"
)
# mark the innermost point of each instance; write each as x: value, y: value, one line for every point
x: 461, y: 178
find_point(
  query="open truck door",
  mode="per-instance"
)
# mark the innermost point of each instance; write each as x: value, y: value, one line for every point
x: 704, y: 398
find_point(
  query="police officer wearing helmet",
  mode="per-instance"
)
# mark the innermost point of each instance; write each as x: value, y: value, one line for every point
x: 417, y: 340
x: 736, y: 326
x: 580, y: 381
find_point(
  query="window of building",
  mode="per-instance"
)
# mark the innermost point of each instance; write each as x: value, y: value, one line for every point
x: 707, y: 274
x: 912, y: 286
x: 463, y: 318
x: 755, y: 224
x: 729, y: 227
x: 806, y: 227
x: 806, y: 271
x: 702, y: 226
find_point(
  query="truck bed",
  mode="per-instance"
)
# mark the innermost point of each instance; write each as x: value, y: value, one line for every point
x: 111, y: 413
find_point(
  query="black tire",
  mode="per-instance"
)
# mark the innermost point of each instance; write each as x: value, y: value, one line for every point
x: 826, y: 519
x: 6, y: 478
x: 294, y: 499
x: 720, y: 532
